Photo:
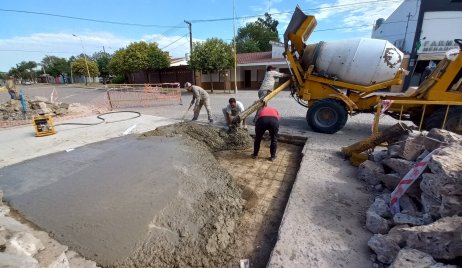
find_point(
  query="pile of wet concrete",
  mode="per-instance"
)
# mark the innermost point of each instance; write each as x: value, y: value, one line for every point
x: 160, y: 199
x: 14, y: 110
x: 427, y: 229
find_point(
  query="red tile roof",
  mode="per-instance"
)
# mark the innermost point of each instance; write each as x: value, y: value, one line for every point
x: 256, y: 57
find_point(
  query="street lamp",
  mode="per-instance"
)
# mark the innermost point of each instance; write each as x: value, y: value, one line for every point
x: 85, y: 56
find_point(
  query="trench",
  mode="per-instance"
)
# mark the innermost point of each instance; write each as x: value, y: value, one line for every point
x: 174, y: 197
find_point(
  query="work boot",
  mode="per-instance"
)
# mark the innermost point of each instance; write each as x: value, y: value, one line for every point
x: 272, y: 158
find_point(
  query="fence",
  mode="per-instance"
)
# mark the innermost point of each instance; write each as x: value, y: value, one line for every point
x: 128, y: 96
x: 117, y: 97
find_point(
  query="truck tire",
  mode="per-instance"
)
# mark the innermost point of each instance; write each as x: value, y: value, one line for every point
x: 453, y: 121
x: 327, y: 116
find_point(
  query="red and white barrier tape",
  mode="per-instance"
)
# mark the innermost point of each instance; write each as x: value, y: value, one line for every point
x: 407, y: 181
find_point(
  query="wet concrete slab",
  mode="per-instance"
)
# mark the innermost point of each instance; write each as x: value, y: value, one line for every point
x: 101, y: 198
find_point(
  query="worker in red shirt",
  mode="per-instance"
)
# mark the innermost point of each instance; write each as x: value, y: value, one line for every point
x: 268, y: 119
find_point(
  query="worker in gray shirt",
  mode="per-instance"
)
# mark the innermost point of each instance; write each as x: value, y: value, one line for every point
x: 268, y: 82
x: 232, y: 110
x: 200, y: 98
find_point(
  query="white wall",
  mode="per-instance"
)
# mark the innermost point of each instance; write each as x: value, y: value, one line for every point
x: 439, y: 29
x: 394, y: 27
x: 253, y: 68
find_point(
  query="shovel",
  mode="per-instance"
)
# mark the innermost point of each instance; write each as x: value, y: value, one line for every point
x: 184, y: 115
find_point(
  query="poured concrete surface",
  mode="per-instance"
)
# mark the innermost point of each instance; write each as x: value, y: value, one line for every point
x: 98, y: 199
x: 115, y: 200
x: 323, y: 224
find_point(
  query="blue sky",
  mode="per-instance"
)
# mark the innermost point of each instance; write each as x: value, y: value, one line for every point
x: 26, y: 36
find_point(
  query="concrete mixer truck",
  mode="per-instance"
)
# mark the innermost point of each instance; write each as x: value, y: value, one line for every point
x: 337, y: 79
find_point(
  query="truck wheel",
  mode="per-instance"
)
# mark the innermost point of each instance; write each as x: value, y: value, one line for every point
x: 453, y: 121
x: 327, y: 116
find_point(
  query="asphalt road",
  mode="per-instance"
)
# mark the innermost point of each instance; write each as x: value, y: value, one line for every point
x: 292, y: 114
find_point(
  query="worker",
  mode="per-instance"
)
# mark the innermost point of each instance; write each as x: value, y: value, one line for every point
x: 268, y: 119
x: 11, y: 87
x: 200, y: 98
x: 268, y: 82
x: 233, y: 108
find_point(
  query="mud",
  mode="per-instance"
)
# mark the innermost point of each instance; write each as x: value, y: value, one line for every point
x: 215, y: 139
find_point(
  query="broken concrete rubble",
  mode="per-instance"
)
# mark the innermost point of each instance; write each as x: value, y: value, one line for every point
x: 13, y: 109
x: 441, y: 239
x: 429, y: 220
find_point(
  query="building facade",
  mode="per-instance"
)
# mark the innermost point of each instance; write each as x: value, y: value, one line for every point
x: 424, y: 30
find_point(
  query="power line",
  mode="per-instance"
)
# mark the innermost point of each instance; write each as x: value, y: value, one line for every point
x: 175, y: 41
x: 290, y: 12
x: 87, y: 19
x: 35, y: 51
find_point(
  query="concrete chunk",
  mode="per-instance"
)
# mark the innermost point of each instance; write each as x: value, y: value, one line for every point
x: 369, y: 172
x: 376, y: 224
x: 13, y: 261
x: 431, y: 185
x: 380, y: 207
x: 436, y: 137
x: 407, y: 205
x: 430, y: 205
x: 385, y: 248
x: 400, y: 166
x: 451, y: 205
x: 412, y: 258
x: 53, y: 255
x: 412, y: 147
x: 24, y: 244
x: 401, y: 218
x: 441, y: 239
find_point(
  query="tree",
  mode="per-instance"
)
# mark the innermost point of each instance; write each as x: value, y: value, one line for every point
x: 102, y: 60
x: 79, y: 67
x: 138, y: 56
x: 55, y: 66
x: 255, y: 36
x: 211, y: 56
x: 24, y: 70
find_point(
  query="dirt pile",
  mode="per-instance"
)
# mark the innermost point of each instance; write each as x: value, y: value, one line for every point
x: 426, y: 222
x: 215, y: 139
x: 13, y: 109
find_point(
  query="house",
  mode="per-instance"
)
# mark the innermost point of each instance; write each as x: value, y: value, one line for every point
x: 424, y: 30
x: 251, y: 69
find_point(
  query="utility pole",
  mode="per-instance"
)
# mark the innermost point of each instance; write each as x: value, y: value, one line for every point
x: 235, y: 52
x: 405, y: 32
x: 190, y: 49
x: 85, y: 57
